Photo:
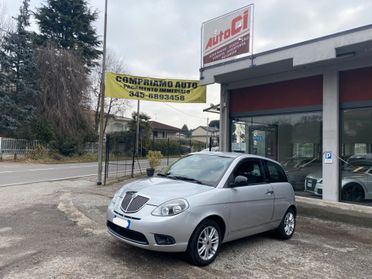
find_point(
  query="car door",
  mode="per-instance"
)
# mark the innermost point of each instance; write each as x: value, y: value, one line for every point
x: 251, y: 206
x: 282, y: 190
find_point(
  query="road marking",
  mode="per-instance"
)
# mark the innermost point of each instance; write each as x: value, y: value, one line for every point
x: 5, y: 229
x: 48, y: 169
x: 44, y: 169
x: 57, y: 179
x: 47, y: 180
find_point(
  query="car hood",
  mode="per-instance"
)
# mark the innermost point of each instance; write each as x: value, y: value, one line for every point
x: 160, y: 190
x: 316, y: 175
x: 345, y: 175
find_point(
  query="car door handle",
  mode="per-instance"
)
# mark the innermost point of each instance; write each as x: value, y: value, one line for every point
x: 269, y: 192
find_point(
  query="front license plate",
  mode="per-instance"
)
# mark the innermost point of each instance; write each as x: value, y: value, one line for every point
x: 121, y: 222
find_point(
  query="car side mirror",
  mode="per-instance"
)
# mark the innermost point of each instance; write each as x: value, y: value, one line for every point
x: 240, y: 180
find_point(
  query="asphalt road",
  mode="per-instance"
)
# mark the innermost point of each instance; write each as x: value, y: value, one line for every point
x: 57, y: 230
x: 22, y: 173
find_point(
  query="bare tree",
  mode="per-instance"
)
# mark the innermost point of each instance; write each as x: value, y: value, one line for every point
x: 115, y: 64
x: 64, y: 98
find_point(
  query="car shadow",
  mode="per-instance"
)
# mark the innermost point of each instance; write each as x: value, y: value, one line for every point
x: 120, y: 250
x: 134, y: 256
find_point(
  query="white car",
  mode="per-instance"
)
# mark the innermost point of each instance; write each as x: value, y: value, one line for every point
x: 356, y: 183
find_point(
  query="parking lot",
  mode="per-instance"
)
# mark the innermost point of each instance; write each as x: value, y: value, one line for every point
x: 57, y: 230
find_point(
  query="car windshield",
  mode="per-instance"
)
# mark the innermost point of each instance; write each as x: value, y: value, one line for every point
x: 358, y: 166
x: 198, y: 168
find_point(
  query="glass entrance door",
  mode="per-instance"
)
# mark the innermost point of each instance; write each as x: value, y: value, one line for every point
x: 264, y: 141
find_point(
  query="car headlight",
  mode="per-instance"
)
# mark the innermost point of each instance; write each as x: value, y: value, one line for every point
x: 116, y: 197
x: 171, y: 208
x: 320, y: 180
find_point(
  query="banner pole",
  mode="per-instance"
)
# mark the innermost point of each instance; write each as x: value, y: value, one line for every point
x: 138, y: 126
x: 102, y: 96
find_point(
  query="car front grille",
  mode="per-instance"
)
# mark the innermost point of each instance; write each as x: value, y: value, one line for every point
x: 133, y: 202
x: 310, y: 184
x: 127, y: 234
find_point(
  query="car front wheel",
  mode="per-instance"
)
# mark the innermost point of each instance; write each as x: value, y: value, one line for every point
x: 352, y: 192
x: 204, y: 243
x: 287, y: 225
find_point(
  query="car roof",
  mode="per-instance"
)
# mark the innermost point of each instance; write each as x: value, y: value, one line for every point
x: 234, y: 155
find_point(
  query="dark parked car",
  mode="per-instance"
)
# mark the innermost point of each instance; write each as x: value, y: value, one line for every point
x: 297, y: 168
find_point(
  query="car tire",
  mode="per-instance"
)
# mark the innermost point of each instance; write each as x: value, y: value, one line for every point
x: 287, y: 226
x: 352, y: 192
x: 207, y: 235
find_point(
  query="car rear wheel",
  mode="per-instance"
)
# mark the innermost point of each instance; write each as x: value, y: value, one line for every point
x: 204, y: 243
x: 287, y: 225
x: 352, y: 192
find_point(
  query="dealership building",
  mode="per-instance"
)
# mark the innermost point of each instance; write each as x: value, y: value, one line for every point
x: 308, y: 106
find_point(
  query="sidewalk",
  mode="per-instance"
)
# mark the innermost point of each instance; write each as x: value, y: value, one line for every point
x: 336, y: 211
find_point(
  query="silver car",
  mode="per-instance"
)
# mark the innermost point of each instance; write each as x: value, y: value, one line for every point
x: 356, y: 183
x: 201, y: 201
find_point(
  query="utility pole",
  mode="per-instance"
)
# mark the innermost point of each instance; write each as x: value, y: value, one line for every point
x: 207, y: 137
x: 102, y: 96
x: 135, y: 150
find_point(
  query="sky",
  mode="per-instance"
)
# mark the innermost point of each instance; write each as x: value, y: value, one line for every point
x: 161, y: 38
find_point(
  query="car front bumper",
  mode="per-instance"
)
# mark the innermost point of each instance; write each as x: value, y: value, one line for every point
x: 314, y: 187
x: 141, y: 227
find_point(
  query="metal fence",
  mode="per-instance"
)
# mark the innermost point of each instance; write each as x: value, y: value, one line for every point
x: 90, y: 147
x: 122, y: 158
x: 23, y: 147
x: 16, y: 146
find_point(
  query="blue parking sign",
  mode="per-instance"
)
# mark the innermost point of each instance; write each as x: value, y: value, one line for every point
x: 328, y: 157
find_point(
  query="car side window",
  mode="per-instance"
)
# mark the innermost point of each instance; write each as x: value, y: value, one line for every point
x: 252, y: 170
x: 276, y: 173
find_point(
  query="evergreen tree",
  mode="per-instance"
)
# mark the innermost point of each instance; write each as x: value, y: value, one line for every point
x: 185, y: 130
x: 18, y: 84
x: 68, y: 24
x: 214, y: 124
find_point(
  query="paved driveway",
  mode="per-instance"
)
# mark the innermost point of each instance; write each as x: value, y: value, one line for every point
x: 57, y: 230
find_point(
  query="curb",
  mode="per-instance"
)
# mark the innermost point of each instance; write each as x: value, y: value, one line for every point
x: 335, y: 211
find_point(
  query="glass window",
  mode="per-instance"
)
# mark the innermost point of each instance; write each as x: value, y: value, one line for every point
x: 356, y: 149
x: 251, y: 169
x: 276, y: 173
x: 206, y: 169
x: 294, y: 140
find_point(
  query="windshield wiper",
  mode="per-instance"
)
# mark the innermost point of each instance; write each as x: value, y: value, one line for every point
x: 179, y: 177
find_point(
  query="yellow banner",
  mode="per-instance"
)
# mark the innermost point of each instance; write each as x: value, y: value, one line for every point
x: 154, y: 89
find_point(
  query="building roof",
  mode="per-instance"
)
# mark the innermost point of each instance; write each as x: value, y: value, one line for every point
x: 210, y: 129
x: 328, y: 50
x: 161, y: 126
x: 119, y: 118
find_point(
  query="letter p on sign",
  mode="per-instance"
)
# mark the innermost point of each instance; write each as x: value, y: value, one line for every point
x: 328, y: 158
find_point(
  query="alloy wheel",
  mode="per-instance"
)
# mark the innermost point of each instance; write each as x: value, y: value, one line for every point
x: 208, y: 242
x: 289, y: 223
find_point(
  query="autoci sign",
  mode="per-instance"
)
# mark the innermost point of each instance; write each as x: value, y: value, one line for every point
x: 227, y: 36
